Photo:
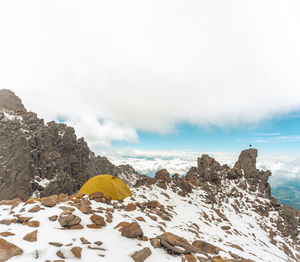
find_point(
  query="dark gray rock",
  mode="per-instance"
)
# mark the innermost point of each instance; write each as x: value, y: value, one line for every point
x: 43, y: 159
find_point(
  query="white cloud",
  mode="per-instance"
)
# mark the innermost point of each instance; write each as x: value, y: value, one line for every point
x: 151, y: 64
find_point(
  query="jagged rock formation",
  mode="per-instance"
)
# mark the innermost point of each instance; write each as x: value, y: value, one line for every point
x: 215, y: 179
x: 10, y: 101
x: 44, y: 159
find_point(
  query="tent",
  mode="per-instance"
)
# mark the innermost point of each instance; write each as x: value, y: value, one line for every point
x: 109, y: 185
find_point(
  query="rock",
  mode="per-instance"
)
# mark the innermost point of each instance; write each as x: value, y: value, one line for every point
x: 98, y: 220
x: 141, y: 255
x: 8, y: 221
x: 130, y: 207
x: 75, y: 227
x: 8, y: 250
x: 132, y: 230
x: 162, y: 175
x: 140, y: 219
x: 190, y: 258
x: 49, y: 201
x: 6, y: 234
x: 76, y: 251
x: 33, y: 223
x: 35, y: 209
x: 69, y: 220
x: 175, y: 244
x: 86, y: 209
x: 9, y: 101
x: 56, y: 244
x: 152, y: 204
x: 205, y: 247
x: 31, y: 237
x: 84, y: 241
x: 53, y: 218
x: 98, y: 243
x: 155, y: 243
x: 60, y: 254
x: 225, y: 227
x: 121, y: 224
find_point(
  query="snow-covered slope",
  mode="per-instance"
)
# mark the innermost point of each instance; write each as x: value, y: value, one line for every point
x: 235, y: 226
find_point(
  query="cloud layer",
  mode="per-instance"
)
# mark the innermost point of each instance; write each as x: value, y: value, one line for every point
x: 110, y: 68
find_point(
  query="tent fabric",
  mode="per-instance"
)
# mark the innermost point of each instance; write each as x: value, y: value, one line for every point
x: 109, y: 185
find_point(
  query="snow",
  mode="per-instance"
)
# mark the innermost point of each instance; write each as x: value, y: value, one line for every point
x: 246, y: 231
x: 10, y: 116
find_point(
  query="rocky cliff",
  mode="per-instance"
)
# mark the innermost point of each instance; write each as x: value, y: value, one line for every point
x: 43, y: 159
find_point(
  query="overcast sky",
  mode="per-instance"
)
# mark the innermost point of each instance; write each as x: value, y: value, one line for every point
x: 115, y: 68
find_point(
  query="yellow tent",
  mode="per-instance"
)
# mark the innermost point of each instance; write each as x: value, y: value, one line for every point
x: 109, y: 185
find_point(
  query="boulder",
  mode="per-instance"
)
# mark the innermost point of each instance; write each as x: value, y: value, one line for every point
x: 132, y: 230
x: 31, y: 237
x: 175, y: 244
x: 8, y: 250
x: 142, y: 255
x: 163, y: 175
x: 69, y: 220
x: 98, y: 220
x: 76, y: 251
x: 49, y: 201
x: 205, y: 247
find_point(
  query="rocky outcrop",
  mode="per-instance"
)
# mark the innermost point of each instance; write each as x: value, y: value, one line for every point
x: 10, y: 101
x: 256, y: 178
x: 44, y: 159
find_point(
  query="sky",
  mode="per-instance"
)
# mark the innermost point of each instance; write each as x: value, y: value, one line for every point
x: 141, y: 76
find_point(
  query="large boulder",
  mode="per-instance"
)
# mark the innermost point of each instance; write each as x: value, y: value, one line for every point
x: 8, y: 250
x: 175, y: 244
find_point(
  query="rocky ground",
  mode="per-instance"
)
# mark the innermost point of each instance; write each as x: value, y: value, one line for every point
x: 167, y: 219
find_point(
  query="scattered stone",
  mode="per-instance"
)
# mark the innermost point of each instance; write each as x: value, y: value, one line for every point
x: 60, y: 254
x: 133, y: 230
x: 86, y: 209
x: 155, y: 243
x: 94, y: 226
x: 69, y: 221
x: 33, y: 223
x: 225, y: 227
x: 140, y: 219
x: 98, y: 243
x: 7, y: 222
x: 130, y: 207
x: 49, y: 201
x: 190, y: 258
x: 31, y: 237
x: 96, y: 195
x: 22, y: 219
x: 175, y: 244
x: 35, y: 209
x: 98, y: 220
x: 141, y: 255
x: 53, y: 218
x: 84, y: 241
x: 121, y: 224
x: 76, y: 251
x: 8, y: 250
x: 205, y: 247
x: 56, y: 244
x: 75, y: 227
x: 6, y: 234
x: 65, y: 208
